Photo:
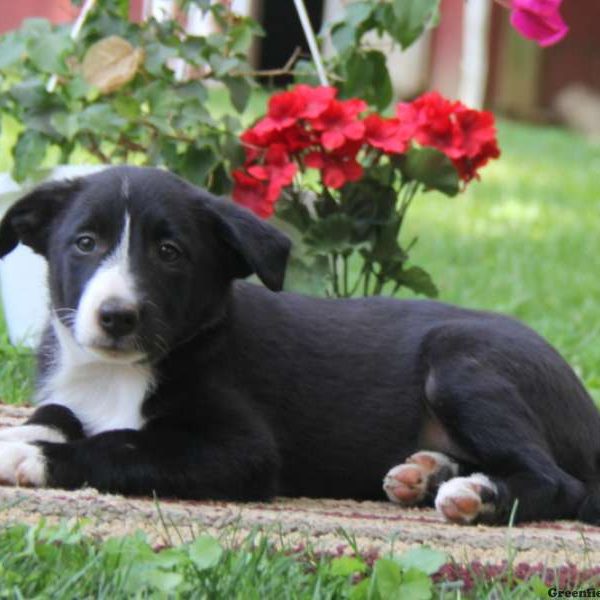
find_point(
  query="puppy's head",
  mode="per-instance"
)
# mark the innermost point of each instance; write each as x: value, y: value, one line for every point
x: 140, y: 260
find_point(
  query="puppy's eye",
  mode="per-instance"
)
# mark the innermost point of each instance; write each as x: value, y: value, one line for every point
x: 168, y: 252
x: 85, y: 243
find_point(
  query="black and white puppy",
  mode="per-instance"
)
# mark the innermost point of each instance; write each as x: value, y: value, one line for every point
x: 161, y: 373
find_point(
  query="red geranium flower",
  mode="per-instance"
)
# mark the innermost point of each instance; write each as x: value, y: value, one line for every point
x: 467, y: 166
x: 316, y: 99
x: 337, y: 167
x: 477, y: 128
x: 433, y: 122
x: 251, y: 193
x: 467, y: 137
x: 277, y: 170
x: 339, y: 123
x: 388, y: 135
x: 254, y: 143
x: 285, y: 109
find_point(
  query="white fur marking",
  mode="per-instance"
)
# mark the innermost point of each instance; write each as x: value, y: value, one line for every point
x: 22, y: 464
x: 32, y: 433
x: 113, y: 279
x: 125, y: 187
x: 103, y: 394
x: 461, y: 487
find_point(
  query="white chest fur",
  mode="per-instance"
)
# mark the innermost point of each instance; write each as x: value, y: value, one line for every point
x: 102, y: 395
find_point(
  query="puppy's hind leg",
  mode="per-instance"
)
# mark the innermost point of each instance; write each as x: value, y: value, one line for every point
x: 486, y: 415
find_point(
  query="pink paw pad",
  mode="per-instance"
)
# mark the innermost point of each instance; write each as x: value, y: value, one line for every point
x: 463, y: 499
x: 408, y: 483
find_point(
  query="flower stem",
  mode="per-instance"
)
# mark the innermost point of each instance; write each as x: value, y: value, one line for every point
x: 334, y: 275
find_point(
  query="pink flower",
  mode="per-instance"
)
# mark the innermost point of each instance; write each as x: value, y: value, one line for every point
x: 538, y: 20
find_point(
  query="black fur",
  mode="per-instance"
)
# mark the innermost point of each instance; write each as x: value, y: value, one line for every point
x: 261, y: 393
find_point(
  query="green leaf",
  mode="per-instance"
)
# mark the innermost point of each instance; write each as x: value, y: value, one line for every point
x: 405, y: 20
x: 358, y: 12
x: 77, y: 88
x: 332, y: 234
x: 122, y: 8
x: 193, y: 90
x: 368, y: 202
x: 433, y: 169
x: 388, y: 579
x: 242, y: 36
x: 385, y: 246
x: 367, y: 77
x: 361, y: 590
x: 347, y: 565
x: 239, y: 92
x: 30, y: 94
x: 343, y: 37
x: 163, y: 581
x: 307, y: 276
x: 127, y: 107
x: 28, y: 153
x: 48, y: 52
x: 157, y: 55
x: 205, y: 552
x: 419, y: 281
x: 101, y: 119
x: 306, y: 72
x: 415, y: 585
x: 12, y: 49
x: 65, y: 123
x: 197, y: 163
x: 423, y: 558
x: 36, y: 27
x: 222, y: 65
x: 295, y: 213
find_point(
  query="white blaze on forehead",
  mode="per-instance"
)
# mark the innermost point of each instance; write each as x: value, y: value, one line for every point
x: 113, y: 279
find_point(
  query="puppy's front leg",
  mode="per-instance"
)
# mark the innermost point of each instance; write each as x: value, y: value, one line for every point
x: 21, y: 460
x: 229, y: 465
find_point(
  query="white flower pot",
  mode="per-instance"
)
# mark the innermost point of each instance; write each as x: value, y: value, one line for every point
x: 22, y: 272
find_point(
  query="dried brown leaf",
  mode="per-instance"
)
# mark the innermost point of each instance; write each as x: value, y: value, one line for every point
x: 111, y: 63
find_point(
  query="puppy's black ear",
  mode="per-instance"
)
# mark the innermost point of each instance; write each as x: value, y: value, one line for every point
x: 257, y: 246
x: 30, y: 219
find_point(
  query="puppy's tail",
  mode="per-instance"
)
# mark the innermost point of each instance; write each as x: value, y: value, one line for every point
x: 589, y: 511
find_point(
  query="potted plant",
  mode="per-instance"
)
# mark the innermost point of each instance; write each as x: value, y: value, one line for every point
x: 343, y: 177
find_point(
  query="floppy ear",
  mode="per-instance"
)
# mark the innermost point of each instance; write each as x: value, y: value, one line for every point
x: 257, y: 246
x: 29, y: 220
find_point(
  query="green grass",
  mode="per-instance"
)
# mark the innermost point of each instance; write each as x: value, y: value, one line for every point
x: 62, y: 561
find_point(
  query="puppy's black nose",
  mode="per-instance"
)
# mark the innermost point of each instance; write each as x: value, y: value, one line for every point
x: 117, y: 318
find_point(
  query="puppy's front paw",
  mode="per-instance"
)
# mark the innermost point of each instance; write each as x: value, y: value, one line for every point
x: 31, y: 433
x: 22, y: 464
x: 466, y: 499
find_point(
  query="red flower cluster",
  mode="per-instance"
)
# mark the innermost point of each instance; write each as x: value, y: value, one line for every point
x: 308, y: 127
x: 466, y: 136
